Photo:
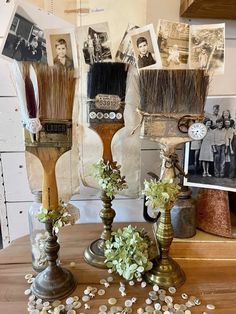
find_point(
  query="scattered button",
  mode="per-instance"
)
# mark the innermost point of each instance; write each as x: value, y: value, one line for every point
x: 149, y: 309
x: 210, y: 306
x: 148, y: 301
x: 157, y: 306
x: 155, y: 288
x: 27, y: 292
x: 85, y: 298
x: 92, y: 115
x: 131, y: 283
x: 184, y: 296
x: 128, y: 303
x: 71, y: 312
x: 172, y: 290
x: 110, y: 279
x: 112, y: 301
x: 102, y: 308
x: 140, y: 310
x: 143, y: 284
x: 187, y: 312
x: 77, y: 305
x: 112, y: 115
x: 119, y: 116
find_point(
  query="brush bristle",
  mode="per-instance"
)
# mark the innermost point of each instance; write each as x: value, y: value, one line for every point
x: 30, y: 98
x: 107, y: 78
x: 56, y: 92
x: 173, y: 91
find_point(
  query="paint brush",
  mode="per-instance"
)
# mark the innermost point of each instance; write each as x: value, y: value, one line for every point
x: 106, y: 101
x: 173, y: 91
x: 56, y: 88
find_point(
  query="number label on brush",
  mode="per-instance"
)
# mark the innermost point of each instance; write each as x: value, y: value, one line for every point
x: 107, y: 102
x: 55, y: 128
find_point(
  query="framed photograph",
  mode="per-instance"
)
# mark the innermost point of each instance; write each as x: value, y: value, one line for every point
x: 24, y: 40
x: 207, y: 47
x: 61, y: 48
x: 125, y: 52
x: 173, y: 43
x: 211, y: 162
x: 94, y: 40
x: 145, y: 47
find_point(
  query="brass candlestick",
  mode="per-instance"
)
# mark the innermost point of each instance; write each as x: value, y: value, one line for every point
x: 54, y: 282
x: 94, y: 253
x: 166, y: 272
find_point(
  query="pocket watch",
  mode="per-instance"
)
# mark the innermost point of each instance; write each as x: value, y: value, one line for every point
x: 197, y: 131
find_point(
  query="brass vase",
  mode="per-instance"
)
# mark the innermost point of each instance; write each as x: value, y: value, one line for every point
x: 94, y: 253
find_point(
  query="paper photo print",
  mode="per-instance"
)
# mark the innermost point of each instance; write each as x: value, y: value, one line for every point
x: 94, y: 40
x: 145, y: 47
x: 173, y: 43
x: 24, y: 40
x: 207, y: 47
x: 125, y: 52
x: 61, y: 48
x: 211, y: 162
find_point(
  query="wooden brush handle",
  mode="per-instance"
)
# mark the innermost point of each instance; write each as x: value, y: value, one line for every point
x: 50, y: 192
x: 106, y: 133
x: 48, y: 157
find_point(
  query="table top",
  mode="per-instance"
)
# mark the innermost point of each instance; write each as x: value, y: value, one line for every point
x: 212, y: 280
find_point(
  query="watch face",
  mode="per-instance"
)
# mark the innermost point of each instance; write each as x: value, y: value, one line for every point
x: 197, y: 131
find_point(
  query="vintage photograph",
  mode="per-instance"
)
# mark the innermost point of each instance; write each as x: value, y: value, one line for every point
x: 173, y: 43
x: 207, y: 47
x: 25, y: 40
x: 145, y: 47
x: 211, y: 162
x: 61, y: 48
x: 94, y: 40
x: 125, y: 52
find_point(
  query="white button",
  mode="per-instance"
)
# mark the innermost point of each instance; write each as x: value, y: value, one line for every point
x: 155, y: 288
x: 140, y: 310
x: 28, y: 276
x: 27, y: 292
x: 110, y: 279
x: 102, y: 281
x: 69, y: 300
x: 71, y: 312
x: 148, y: 301
x: 157, y: 306
x: 149, y: 309
x: 92, y: 115
x: 85, y: 298
x: 131, y: 283
x: 187, y: 312
x: 172, y: 290
x: 112, y: 115
x: 99, y: 115
x: 128, y: 303
x: 102, y: 308
x: 106, y: 115
x: 77, y: 305
x: 210, y: 306
x: 184, y: 296
x: 143, y: 284
x: 86, y: 291
x: 168, y: 299
x: 119, y: 116
x: 112, y: 301
x: 76, y: 298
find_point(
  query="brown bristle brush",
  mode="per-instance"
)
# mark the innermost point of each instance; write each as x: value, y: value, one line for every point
x: 106, y: 100
x: 173, y: 91
x: 56, y: 88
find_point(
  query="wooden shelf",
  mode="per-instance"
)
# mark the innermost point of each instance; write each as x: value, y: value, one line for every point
x: 215, y: 9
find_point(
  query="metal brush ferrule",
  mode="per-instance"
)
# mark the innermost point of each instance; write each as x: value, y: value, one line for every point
x: 105, y: 114
x: 52, y: 134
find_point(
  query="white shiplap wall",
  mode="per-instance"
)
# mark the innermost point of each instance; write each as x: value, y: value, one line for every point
x: 15, y: 196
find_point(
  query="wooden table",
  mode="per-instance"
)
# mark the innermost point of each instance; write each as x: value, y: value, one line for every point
x: 213, y: 281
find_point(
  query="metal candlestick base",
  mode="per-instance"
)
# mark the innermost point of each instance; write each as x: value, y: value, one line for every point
x: 94, y: 253
x: 166, y: 273
x: 54, y: 282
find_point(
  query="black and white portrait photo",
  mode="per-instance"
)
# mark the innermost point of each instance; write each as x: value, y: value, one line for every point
x: 94, y: 40
x: 125, y: 52
x: 61, y: 48
x: 207, y: 47
x: 173, y: 42
x: 145, y: 47
x: 211, y: 162
x: 25, y: 40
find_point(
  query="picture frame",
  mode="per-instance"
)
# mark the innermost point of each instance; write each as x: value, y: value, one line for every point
x: 61, y: 47
x: 146, y: 51
x: 211, y: 163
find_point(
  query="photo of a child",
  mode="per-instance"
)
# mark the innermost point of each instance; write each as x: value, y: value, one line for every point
x: 61, y: 59
x: 61, y: 48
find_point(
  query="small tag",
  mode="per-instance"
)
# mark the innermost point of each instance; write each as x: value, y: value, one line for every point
x: 55, y: 128
x: 107, y: 102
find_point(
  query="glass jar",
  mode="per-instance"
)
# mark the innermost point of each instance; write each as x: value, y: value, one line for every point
x: 38, y: 234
